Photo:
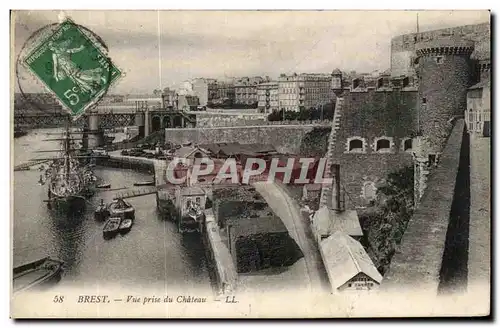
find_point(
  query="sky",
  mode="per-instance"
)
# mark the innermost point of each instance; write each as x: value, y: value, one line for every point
x: 222, y: 44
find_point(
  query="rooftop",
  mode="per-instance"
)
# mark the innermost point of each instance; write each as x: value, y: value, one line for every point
x: 192, y: 191
x: 186, y: 151
x: 344, y: 258
x: 235, y: 148
x: 482, y: 84
x: 328, y: 221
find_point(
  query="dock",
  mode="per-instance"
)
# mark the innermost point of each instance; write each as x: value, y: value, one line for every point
x: 27, y: 165
x: 136, y: 193
x: 219, y: 258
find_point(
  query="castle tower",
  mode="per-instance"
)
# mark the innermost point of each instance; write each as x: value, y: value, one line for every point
x: 444, y: 70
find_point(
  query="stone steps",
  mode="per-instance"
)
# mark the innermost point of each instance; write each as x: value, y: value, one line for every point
x: 326, y: 190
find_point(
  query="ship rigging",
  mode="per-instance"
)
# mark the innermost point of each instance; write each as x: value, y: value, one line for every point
x: 69, y: 176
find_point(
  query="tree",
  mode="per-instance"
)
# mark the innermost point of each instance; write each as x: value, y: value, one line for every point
x: 276, y: 115
x: 310, y: 114
x: 304, y: 114
x: 385, y: 223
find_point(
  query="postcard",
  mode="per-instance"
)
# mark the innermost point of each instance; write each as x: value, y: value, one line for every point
x: 250, y: 164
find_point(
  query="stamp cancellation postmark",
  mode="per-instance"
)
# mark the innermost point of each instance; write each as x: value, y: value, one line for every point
x: 73, y: 67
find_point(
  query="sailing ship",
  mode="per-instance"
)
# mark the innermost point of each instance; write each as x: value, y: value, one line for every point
x: 70, y: 177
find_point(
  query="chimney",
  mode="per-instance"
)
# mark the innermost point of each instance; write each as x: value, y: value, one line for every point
x: 335, y: 169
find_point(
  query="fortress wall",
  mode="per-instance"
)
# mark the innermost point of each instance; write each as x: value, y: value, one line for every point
x: 418, y: 262
x: 212, y: 120
x: 372, y: 115
x: 286, y: 139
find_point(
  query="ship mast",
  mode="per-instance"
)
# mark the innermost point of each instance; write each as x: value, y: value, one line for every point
x: 67, y: 145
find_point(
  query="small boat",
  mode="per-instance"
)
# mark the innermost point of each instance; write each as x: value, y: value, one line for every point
x: 101, y: 211
x: 20, y: 133
x: 145, y: 183
x: 126, y: 225
x: 104, y: 186
x: 109, y: 139
x: 121, y: 208
x: 111, y: 227
x: 190, y: 222
x: 37, y: 274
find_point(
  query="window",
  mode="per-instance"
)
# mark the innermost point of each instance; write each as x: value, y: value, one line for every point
x: 198, y: 200
x: 406, y: 82
x: 383, y: 144
x: 424, y: 100
x: 438, y: 59
x: 355, y: 83
x: 380, y: 83
x: 356, y: 145
x: 369, y: 194
x: 407, y: 145
x: 432, y: 160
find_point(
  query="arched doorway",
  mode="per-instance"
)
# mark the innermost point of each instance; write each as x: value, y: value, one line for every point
x: 177, y: 122
x: 166, y: 121
x: 155, y: 123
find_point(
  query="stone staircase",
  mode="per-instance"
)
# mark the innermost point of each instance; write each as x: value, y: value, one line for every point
x: 326, y: 190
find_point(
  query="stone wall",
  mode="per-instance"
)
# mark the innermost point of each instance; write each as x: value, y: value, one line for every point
x: 204, y: 120
x: 418, y: 262
x: 403, y: 46
x: 370, y: 116
x: 286, y: 138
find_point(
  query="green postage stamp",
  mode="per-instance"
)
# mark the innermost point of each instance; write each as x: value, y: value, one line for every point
x: 73, y: 66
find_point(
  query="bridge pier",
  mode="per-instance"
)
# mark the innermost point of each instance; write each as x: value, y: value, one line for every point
x: 95, y: 136
x: 147, y: 120
x: 139, y: 122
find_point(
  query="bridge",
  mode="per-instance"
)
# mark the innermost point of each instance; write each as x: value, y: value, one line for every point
x: 151, y: 121
x: 42, y: 110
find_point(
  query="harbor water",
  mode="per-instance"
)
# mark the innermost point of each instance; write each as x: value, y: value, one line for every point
x: 153, y: 255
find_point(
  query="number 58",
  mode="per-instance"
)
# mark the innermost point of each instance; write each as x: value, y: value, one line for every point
x: 71, y: 95
x: 58, y: 299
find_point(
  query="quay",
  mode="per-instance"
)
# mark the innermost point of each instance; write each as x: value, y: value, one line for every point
x: 220, y: 263
x: 26, y: 166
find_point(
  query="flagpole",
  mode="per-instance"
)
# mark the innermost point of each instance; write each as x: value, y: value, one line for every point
x: 418, y: 27
x: 159, y: 50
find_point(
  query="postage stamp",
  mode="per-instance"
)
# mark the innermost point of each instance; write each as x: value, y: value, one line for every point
x: 73, y: 67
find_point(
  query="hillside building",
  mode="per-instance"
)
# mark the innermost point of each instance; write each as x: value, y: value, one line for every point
x: 298, y: 91
x: 268, y: 97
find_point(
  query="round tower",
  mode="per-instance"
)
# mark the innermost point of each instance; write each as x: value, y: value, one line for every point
x: 445, y: 72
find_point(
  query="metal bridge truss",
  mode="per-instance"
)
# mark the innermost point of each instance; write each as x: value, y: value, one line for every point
x: 161, y: 119
x: 106, y: 120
